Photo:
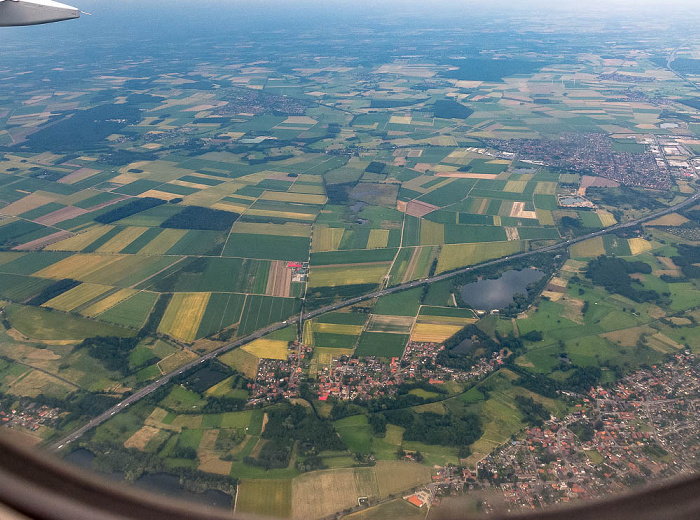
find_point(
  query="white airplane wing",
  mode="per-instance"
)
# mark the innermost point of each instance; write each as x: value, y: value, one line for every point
x: 34, y: 12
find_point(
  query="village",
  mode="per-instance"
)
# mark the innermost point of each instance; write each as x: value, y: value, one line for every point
x: 641, y: 431
x: 349, y: 378
x: 30, y: 416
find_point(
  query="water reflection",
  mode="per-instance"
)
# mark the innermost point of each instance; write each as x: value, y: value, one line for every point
x: 498, y: 294
x: 158, y: 483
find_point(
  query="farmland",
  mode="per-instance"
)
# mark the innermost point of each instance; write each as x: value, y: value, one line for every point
x: 154, y: 211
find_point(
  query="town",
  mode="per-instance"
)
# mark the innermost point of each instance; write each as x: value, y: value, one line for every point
x: 641, y: 431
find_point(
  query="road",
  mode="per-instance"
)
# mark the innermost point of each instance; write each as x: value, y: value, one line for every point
x: 143, y: 392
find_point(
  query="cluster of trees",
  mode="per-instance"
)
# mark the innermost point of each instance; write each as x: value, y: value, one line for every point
x: 459, y: 361
x: 343, y: 409
x: 522, y: 301
x: 375, y: 167
x: 624, y: 197
x: 115, y: 458
x: 80, y: 130
x: 223, y: 404
x: 451, y: 109
x: 535, y: 413
x: 288, y: 424
x: 688, y: 257
x: 112, y: 351
x: 339, y: 194
x: 79, y: 405
x: 132, y: 207
x: 121, y: 157
x: 377, y: 423
x: 227, y: 440
x: 433, y: 428
x: 614, y: 275
x: 268, y: 158
x: 196, y: 217
x: 580, y: 381
x: 583, y: 430
x: 151, y: 325
x: 538, y: 383
x: 52, y: 291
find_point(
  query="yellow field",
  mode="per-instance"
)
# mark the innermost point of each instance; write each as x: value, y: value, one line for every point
x: 459, y: 255
x: 340, y: 488
x: 163, y: 195
x: 445, y: 320
x: 325, y: 355
x: 267, y: 498
x: 672, y: 219
x: 175, y: 360
x: 108, y: 302
x: 545, y: 217
x: 77, y: 267
x: 432, y: 233
x: 34, y: 383
x: 163, y: 242
x: 267, y: 349
x: 315, y: 189
x: 240, y: 360
x: 591, y: 248
x: 30, y: 202
x: 378, y: 238
x: 431, y: 332
x: 606, y: 218
x: 229, y: 206
x: 187, y: 184
x: 121, y: 240
x: 305, y: 198
x: 80, y: 241
x: 188, y: 421
x: 333, y: 328
x: 546, y: 188
x: 327, y: 238
x: 183, y: 315
x: 336, y: 487
x: 307, y: 335
x: 515, y: 186
x: 125, y: 266
x: 281, y: 214
x: 9, y: 256
x: 333, y: 276
x: 638, y: 245
x: 397, y: 476
x: 684, y: 187
x: 289, y: 230
x: 77, y: 296
x: 140, y: 439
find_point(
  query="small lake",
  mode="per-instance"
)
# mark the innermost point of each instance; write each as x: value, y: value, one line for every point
x: 498, y: 294
x: 159, y: 483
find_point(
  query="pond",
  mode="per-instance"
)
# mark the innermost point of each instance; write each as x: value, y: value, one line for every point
x: 159, y: 483
x: 498, y: 294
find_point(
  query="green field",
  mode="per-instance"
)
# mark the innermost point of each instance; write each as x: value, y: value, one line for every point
x: 271, y: 247
x: 404, y: 303
x: 260, y: 311
x: 381, y: 344
x: 44, y: 324
x: 132, y: 312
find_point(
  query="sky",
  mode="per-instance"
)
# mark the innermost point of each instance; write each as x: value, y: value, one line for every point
x: 141, y: 21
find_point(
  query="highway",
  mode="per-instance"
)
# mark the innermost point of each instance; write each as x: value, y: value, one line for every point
x: 143, y: 392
